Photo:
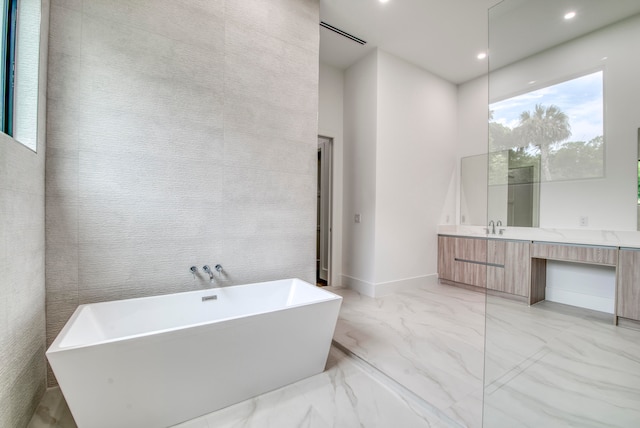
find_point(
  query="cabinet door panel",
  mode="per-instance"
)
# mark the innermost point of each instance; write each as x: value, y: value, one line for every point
x: 446, y: 247
x: 470, y: 250
x: 517, y: 268
x: 470, y: 273
x: 628, y: 287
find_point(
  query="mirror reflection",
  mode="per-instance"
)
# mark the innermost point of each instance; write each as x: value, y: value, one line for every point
x: 550, y: 115
x: 559, y: 126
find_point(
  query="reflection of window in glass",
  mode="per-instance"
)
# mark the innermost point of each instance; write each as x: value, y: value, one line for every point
x: 7, y: 64
x: 561, y: 124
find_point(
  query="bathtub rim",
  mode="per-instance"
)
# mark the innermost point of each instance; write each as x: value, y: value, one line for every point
x: 56, y: 348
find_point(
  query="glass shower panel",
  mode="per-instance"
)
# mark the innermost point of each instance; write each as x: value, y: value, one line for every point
x: 562, y: 342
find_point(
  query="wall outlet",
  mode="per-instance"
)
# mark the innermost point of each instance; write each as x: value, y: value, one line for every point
x: 357, y: 218
x: 584, y: 221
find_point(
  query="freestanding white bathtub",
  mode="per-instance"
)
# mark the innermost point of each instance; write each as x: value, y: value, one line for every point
x: 158, y: 361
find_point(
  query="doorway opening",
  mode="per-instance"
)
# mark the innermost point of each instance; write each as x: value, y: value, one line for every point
x: 323, y: 234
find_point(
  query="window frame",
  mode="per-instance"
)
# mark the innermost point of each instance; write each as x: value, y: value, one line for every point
x: 8, y: 64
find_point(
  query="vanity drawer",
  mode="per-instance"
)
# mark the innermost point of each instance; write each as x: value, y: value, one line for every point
x: 575, y: 253
x: 471, y: 250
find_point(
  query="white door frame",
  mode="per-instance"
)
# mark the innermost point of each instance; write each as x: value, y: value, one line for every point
x: 325, y: 147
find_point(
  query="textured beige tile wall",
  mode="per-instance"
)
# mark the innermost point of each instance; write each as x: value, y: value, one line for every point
x: 179, y: 134
x: 22, y: 269
x: 22, y: 291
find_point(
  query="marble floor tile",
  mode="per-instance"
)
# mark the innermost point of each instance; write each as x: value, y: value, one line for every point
x: 576, y: 369
x: 52, y: 412
x: 545, y: 365
x: 344, y: 395
x: 429, y: 339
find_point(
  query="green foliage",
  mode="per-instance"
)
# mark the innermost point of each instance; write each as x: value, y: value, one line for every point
x: 539, y: 140
x: 578, y: 159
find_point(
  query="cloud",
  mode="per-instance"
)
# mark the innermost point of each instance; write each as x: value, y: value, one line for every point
x: 580, y: 98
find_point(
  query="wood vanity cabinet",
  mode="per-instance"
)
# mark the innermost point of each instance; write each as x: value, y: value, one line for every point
x: 489, y: 263
x: 628, y: 284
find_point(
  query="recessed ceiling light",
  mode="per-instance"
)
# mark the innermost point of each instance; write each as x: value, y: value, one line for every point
x: 569, y: 15
x: 384, y: 1
x: 482, y: 55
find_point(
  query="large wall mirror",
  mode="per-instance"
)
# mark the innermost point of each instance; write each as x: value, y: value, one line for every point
x: 563, y: 116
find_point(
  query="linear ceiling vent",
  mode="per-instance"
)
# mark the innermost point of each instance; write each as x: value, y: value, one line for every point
x: 342, y: 33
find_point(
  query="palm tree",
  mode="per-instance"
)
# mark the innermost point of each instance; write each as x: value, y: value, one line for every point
x: 544, y: 127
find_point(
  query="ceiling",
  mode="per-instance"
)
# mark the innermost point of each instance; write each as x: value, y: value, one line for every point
x: 445, y: 36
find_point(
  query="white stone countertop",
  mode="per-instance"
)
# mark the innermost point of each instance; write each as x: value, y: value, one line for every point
x: 611, y: 238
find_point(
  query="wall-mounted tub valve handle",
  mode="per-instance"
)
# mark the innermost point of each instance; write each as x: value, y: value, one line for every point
x: 218, y: 268
x: 194, y: 270
x: 208, y: 270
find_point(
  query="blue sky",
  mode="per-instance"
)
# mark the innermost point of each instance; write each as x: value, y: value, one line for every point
x: 580, y: 99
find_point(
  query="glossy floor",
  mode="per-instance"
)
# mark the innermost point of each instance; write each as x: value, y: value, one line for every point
x: 429, y: 339
x: 554, y: 366
x: 417, y: 359
x: 546, y: 365
x: 345, y: 395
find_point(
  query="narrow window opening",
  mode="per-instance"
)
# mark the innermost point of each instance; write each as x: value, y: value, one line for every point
x: 8, y: 63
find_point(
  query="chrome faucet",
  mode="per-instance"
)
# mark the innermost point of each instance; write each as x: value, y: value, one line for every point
x: 492, y: 224
x: 208, y: 270
x: 499, y: 224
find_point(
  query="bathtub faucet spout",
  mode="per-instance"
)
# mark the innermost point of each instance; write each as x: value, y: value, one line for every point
x: 208, y: 270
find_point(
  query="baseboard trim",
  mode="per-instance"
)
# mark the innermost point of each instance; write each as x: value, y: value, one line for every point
x: 389, y: 287
x: 362, y: 287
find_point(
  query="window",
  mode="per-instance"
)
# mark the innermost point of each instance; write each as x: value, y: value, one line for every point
x: 8, y: 61
x: 558, y: 127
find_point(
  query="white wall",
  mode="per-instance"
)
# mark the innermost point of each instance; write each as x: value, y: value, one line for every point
x: 473, y: 140
x: 360, y: 136
x: 583, y: 285
x: 416, y: 156
x: 473, y: 134
x: 331, y: 124
x: 399, y: 171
